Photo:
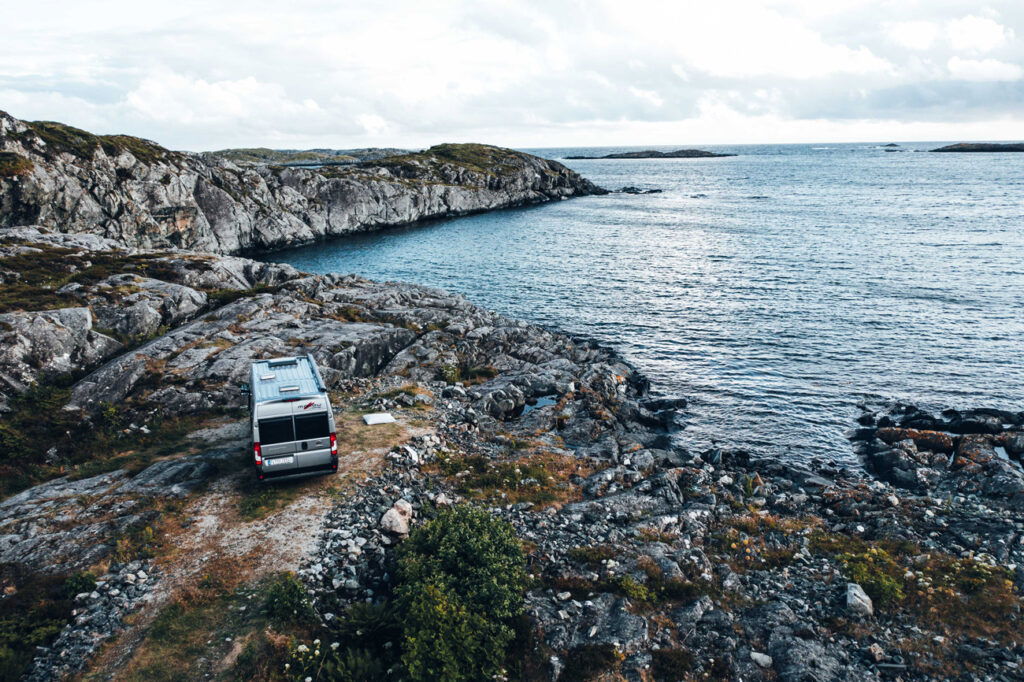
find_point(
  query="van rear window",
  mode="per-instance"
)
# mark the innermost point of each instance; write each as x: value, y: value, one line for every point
x: 277, y: 430
x: 311, y: 426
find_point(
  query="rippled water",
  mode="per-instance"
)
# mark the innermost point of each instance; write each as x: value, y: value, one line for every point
x: 775, y: 289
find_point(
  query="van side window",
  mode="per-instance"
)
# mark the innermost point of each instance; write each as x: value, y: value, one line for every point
x: 277, y: 430
x: 311, y: 426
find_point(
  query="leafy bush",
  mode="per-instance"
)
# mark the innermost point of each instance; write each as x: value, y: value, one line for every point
x: 461, y: 579
x: 322, y: 661
x: 589, y: 661
x: 669, y: 665
x: 287, y: 601
x: 79, y: 583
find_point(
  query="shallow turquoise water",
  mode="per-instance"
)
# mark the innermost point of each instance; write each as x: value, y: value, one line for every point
x: 775, y: 289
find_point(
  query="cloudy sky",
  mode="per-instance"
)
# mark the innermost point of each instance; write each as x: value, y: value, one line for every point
x: 208, y: 74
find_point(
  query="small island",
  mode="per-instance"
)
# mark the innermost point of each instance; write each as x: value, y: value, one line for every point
x: 652, y: 154
x: 983, y: 147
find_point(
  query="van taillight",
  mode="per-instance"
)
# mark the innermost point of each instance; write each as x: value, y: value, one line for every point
x: 258, y: 454
x: 334, y: 444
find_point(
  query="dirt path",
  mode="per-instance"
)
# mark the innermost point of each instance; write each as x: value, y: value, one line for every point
x: 212, y: 536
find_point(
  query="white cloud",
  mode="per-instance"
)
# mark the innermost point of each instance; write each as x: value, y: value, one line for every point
x: 983, y: 70
x: 200, y: 74
x: 169, y: 97
x: 915, y: 35
x: 977, y: 33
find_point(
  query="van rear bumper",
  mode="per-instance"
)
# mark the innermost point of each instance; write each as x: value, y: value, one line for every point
x: 301, y: 472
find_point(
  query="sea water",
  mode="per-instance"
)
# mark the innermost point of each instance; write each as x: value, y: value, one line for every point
x: 775, y: 289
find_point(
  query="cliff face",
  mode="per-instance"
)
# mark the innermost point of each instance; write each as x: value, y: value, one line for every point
x: 143, y: 195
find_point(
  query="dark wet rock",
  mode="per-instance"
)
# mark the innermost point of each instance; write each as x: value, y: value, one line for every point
x: 630, y: 189
x: 982, y: 147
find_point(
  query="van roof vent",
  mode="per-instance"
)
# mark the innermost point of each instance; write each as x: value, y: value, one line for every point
x: 288, y: 389
x: 268, y: 377
x: 283, y: 362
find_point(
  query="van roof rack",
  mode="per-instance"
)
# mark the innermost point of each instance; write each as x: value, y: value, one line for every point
x: 279, y: 379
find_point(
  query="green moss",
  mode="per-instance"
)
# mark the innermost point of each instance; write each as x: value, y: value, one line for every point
x: 144, y: 150
x: 878, y: 573
x: 61, y: 138
x: 13, y: 165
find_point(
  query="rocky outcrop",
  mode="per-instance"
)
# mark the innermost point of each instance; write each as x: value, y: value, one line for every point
x: 653, y: 154
x: 969, y: 452
x: 982, y: 147
x: 143, y: 195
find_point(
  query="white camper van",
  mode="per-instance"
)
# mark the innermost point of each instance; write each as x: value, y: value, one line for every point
x: 293, y: 429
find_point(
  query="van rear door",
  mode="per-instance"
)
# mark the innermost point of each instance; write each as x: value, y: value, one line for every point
x: 312, y: 439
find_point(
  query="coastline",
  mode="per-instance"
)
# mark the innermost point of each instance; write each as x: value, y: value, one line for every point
x: 629, y: 532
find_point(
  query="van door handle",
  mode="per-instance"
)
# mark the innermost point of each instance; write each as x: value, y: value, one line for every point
x: 305, y: 445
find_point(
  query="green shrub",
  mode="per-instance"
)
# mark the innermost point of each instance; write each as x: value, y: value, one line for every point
x: 460, y: 581
x: 878, y: 573
x: 31, y: 616
x: 589, y: 661
x: 79, y: 583
x: 318, y: 661
x: 287, y: 601
x: 446, y: 640
x: 670, y: 665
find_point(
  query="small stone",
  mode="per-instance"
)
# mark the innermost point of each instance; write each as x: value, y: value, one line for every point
x: 763, y: 660
x: 564, y: 596
x: 876, y: 653
x: 857, y: 600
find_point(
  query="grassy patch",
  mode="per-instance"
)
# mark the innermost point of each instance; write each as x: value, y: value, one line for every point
x: 38, y: 423
x: 959, y: 596
x: 223, y: 628
x: 541, y: 478
x: 64, y: 139
x: 12, y: 165
x: 593, y: 556
x: 354, y: 435
x: 259, y: 500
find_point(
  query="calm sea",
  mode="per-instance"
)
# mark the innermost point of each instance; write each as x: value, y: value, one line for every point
x: 774, y: 289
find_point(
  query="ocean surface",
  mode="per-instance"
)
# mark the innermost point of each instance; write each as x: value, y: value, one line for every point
x: 775, y: 289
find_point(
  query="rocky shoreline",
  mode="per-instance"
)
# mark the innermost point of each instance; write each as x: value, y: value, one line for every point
x: 144, y: 195
x: 648, y: 561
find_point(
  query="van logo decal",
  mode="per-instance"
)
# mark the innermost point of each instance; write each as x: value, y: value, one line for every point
x: 310, y: 404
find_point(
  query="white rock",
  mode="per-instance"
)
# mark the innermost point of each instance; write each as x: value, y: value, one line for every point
x: 857, y: 601
x: 763, y: 660
x: 396, y: 519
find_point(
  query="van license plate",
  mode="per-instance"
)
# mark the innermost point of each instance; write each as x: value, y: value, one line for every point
x: 281, y: 460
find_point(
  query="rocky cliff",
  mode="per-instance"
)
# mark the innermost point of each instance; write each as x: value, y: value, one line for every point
x: 143, y: 195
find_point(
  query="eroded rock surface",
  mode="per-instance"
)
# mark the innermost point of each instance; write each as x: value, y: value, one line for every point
x: 144, y: 195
